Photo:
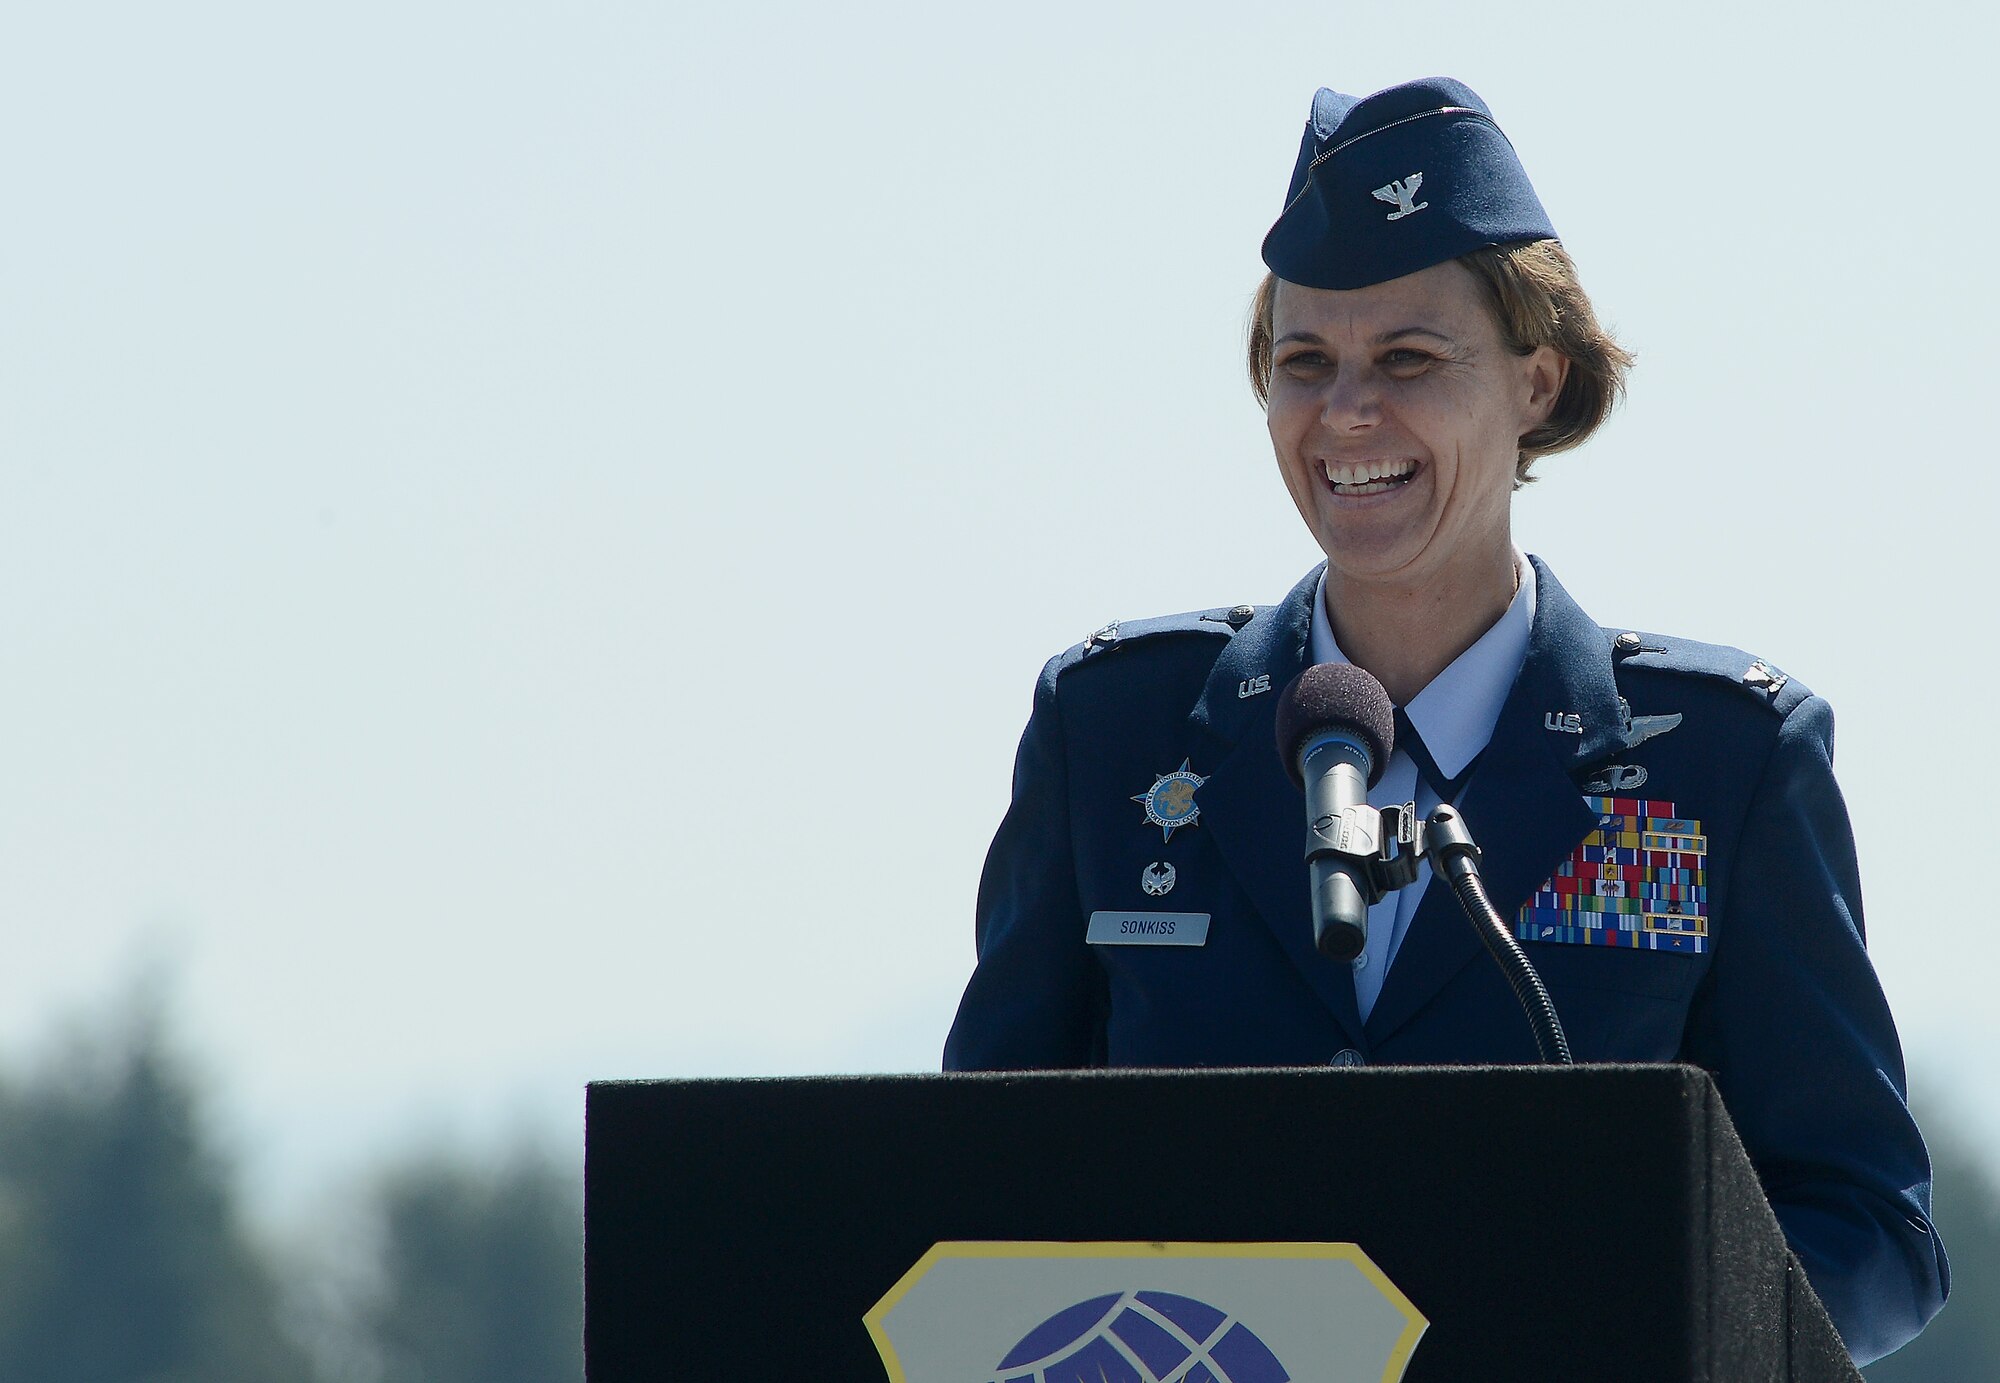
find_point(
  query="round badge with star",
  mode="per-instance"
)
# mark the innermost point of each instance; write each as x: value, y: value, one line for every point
x: 1170, y: 803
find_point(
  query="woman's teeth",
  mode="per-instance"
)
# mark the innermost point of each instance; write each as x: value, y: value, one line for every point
x: 1367, y: 477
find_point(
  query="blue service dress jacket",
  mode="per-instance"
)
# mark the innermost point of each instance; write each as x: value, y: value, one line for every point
x: 1770, y: 989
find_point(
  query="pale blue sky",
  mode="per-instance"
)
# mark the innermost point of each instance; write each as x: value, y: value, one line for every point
x: 462, y: 465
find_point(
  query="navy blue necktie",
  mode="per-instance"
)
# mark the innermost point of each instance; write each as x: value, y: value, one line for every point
x: 1411, y: 743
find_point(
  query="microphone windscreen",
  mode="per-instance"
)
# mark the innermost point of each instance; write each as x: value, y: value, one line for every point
x: 1336, y: 694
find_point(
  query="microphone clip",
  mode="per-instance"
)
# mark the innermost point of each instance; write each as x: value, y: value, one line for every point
x: 1382, y: 846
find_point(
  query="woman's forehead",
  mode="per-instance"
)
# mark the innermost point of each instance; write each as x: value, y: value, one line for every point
x: 1443, y: 298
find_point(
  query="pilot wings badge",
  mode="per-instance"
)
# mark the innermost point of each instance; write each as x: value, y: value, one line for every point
x: 1639, y: 729
x: 1402, y: 194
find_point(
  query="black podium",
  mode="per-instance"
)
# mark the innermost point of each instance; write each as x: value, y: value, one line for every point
x: 1588, y: 1223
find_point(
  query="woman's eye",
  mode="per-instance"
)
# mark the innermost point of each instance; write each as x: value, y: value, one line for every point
x: 1303, y: 360
x: 1405, y: 359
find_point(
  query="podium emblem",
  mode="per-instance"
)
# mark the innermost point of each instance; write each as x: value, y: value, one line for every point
x: 1144, y: 1313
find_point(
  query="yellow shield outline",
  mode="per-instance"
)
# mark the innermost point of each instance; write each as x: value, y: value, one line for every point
x: 1414, y: 1321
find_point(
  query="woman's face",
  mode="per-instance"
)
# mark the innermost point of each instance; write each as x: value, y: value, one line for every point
x: 1396, y: 412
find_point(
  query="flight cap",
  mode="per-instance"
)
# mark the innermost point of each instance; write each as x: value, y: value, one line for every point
x: 1395, y: 182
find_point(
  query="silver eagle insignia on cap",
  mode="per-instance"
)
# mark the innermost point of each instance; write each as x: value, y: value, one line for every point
x: 1402, y: 195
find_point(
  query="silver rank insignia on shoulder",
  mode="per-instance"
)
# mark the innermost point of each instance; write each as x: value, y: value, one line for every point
x: 1402, y: 195
x: 1170, y: 803
x: 1157, y: 879
x: 1107, y: 635
x: 1765, y: 678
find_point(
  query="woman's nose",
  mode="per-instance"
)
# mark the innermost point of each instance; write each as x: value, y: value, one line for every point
x: 1353, y: 401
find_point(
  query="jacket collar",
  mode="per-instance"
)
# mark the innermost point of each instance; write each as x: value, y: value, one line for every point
x: 1256, y: 814
x: 1522, y: 803
x: 1455, y: 714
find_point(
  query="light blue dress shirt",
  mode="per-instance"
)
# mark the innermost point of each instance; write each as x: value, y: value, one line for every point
x: 1455, y: 714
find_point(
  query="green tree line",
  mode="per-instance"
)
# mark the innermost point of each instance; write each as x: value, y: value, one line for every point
x: 125, y: 1256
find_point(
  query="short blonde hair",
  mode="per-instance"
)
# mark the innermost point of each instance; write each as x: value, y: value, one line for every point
x: 1532, y: 290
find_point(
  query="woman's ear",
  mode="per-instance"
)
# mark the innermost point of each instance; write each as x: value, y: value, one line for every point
x: 1545, y: 369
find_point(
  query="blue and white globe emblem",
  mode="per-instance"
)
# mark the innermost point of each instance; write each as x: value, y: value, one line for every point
x: 1169, y: 802
x: 1140, y: 1337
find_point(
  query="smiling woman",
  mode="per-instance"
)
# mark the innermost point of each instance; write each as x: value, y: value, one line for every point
x: 1396, y: 411
x: 1657, y: 816
x: 1534, y: 296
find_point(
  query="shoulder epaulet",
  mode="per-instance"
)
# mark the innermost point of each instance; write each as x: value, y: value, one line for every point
x: 1219, y: 622
x: 1662, y: 653
x: 1222, y: 621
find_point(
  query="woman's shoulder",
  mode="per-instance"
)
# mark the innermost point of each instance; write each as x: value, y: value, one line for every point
x: 1131, y: 662
x: 1195, y: 634
x: 1638, y: 656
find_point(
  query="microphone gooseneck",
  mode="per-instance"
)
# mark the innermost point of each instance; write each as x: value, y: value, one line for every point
x: 1452, y: 852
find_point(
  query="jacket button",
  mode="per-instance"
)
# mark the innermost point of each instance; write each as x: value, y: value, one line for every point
x: 1628, y: 642
x: 1347, y: 1056
x: 1241, y: 615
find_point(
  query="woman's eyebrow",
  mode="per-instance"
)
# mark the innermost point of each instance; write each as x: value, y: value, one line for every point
x: 1388, y: 336
x: 1314, y: 339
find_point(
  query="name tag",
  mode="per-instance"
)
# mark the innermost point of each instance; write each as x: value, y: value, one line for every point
x: 1147, y: 929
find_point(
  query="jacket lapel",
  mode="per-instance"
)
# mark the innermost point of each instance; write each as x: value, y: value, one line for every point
x: 1256, y: 816
x: 1522, y: 804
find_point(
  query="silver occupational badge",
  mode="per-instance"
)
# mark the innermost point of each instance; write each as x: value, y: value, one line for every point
x: 1616, y: 780
x: 1157, y: 879
x: 1170, y: 803
x: 1639, y: 729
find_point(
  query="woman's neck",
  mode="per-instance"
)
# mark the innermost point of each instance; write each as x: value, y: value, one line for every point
x: 1406, y: 636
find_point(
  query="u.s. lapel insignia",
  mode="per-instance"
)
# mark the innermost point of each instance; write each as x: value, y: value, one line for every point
x: 1170, y: 803
x: 1157, y: 879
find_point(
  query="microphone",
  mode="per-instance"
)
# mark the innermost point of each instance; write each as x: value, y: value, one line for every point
x: 1336, y: 728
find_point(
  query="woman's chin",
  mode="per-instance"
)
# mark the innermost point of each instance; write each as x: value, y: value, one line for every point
x: 1357, y: 574
x: 1373, y: 552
